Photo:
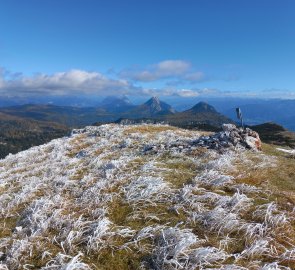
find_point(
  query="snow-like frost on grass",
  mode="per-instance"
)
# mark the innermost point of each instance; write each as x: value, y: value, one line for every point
x: 181, y: 249
x: 66, y: 262
x: 104, y: 190
x: 274, y: 266
x: 220, y: 220
x: 178, y: 249
x: 147, y: 190
x: 270, y: 215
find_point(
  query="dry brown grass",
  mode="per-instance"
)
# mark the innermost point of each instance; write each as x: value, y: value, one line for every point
x: 176, y: 169
x: 78, y: 148
x: 80, y: 173
x: 180, y: 171
x: 282, y: 176
x: 278, y: 179
x: 147, y: 129
x: 111, y: 156
x: 79, y: 144
x: 6, y: 226
x: 109, y: 259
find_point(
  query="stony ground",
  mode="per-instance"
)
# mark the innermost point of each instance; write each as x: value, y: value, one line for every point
x: 141, y: 197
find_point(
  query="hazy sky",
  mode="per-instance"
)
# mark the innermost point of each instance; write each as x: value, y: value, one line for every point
x: 162, y: 47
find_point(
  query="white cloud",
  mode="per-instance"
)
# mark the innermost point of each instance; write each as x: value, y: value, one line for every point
x: 64, y: 83
x: 75, y: 82
x: 172, y: 67
x: 161, y: 70
x: 187, y: 93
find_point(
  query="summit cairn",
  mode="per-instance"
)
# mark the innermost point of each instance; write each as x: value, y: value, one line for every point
x: 231, y: 137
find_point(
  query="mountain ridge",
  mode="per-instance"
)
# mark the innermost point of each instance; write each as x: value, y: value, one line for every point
x: 151, y: 109
x: 201, y: 116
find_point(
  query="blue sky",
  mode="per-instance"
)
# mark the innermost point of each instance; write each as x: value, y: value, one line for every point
x: 148, y: 47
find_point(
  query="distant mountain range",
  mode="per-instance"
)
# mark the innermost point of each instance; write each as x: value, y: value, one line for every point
x: 255, y: 110
x: 26, y: 125
x: 114, y: 108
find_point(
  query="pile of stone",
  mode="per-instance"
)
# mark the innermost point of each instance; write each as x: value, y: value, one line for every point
x: 231, y: 137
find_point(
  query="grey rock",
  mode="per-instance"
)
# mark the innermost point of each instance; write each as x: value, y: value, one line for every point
x: 231, y: 137
x: 228, y: 127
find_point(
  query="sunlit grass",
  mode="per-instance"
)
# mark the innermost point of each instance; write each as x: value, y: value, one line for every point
x: 115, y: 203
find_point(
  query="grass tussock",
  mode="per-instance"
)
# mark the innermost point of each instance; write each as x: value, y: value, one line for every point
x: 177, y: 171
x: 131, y: 208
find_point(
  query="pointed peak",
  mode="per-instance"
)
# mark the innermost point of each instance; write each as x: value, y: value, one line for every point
x: 155, y: 106
x: 153, y: 100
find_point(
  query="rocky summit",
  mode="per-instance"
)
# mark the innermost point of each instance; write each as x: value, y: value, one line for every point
x: 231, y: 137
x: 145, y: 197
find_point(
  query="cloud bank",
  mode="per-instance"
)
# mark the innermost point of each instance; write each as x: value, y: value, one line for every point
x: 92, y: 83
x: 175, y: 69
x: 64, y: 83
x: 75, y: 82
x: 178, y: 75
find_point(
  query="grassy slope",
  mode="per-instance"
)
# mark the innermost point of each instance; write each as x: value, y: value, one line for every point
x: 281, y: 178
x: 64, y: 115
x: 110, y: 177
x: 272, y: 133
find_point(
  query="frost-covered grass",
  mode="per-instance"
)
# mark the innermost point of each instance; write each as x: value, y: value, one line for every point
x: 141, y: 197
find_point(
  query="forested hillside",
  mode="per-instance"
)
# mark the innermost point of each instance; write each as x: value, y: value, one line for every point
x: 17, y: 134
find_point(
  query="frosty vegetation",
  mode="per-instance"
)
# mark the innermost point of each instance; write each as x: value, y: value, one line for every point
x: 138, y: 197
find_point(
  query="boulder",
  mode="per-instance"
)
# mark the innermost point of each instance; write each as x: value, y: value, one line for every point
x: 253, y: 143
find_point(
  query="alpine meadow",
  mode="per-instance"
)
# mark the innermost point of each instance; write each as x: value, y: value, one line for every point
x: 147, y: 135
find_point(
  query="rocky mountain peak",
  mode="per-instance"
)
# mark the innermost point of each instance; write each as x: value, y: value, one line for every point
x: 156, y: 106
x: 154, y: 101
